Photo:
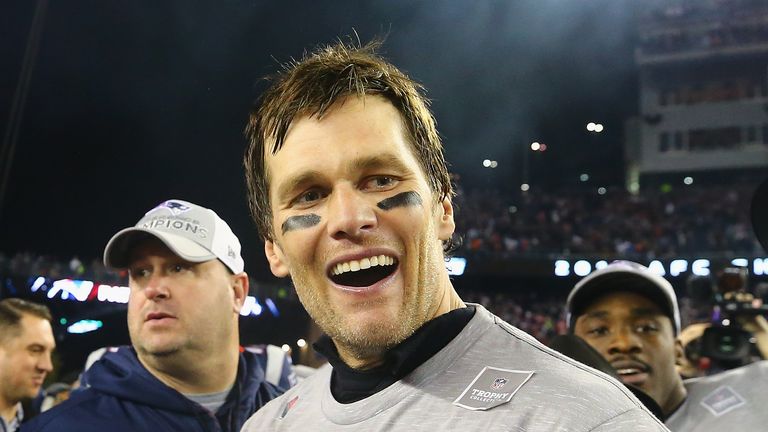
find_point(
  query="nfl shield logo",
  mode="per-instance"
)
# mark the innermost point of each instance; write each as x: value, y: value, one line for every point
x: 499, y: 383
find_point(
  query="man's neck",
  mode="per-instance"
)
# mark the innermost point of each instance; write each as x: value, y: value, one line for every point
x: 8, y: 410
x: 205, y: 373
x: 449, y: 301
x: 675, y: 399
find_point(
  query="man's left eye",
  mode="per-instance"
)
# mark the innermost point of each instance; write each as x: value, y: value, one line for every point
x: 380, y: 182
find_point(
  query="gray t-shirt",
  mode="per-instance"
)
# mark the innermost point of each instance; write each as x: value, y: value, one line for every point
x: 210, y: 401
x: 734, y: 400
x: 524, y: 385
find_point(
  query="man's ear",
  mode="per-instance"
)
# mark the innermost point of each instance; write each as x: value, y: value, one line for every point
x: 446, y: 224
x: 240, y: 288
x: 680, y: 358
x: 276, y: 259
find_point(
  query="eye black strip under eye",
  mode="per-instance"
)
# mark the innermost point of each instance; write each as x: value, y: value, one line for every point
x: 300, y: 222
x: 402, y: 199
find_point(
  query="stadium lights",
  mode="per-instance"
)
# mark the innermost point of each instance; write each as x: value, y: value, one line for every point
x: 525, y: 187
x: 688, y: 180
x: 535, y: 146
x: 286, y: 348
x: 301, y: 343
x: 601, y: 190
x: 595, y: 127
x: 584, y: 177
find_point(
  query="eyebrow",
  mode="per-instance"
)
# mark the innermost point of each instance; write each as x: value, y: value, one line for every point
x: 366, y: 163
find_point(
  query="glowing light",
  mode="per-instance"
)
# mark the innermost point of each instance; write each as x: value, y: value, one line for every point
x: 677, y: 267
x: 657, y: 267
x: 286, y: 348
x: 562, y: 268
x: 598, y: 128
x: 601, y: 190
x: 525, y: 187
x: 271, y: 306
x: 494, y: 164
x: 582, y: 268
x: 251, y: 306
x: 85, y: 326
x: 68, y: 287
x: 535, y: 146
x: 590, y: 127
x: 688, y: 180
x: 456, y: 266
x: 486, y: 163
x: 726, y: 322
x: 513, y: 209
x: 543, y: 147
x: 740, y: 262
x: 301, y: 343
x: 700, y: 267
x: 584, y: 177
x: 39, y: 282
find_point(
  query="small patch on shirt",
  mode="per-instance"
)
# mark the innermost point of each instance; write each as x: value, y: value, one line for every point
x: 288, y: 406
x: 492, y: 387
x: 724, y: 399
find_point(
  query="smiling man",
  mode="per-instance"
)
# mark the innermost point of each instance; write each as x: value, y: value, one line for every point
x: 26, y: 344
x: 349, y: 187
x: 630, y: 315
x: 185, y: 370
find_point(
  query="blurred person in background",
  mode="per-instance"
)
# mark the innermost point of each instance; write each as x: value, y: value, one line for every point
x: 349, y: 187
x: 630, y: 316
x: 26, y: 344
x: 185, y: 370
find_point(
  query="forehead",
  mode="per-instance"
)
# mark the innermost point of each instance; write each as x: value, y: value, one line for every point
x: 622, y: 304
x: 360, y: 126
x: 35, y: 330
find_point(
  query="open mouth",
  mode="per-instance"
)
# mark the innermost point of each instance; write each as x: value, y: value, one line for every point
x: 363, y: 272
x: 631, y: 372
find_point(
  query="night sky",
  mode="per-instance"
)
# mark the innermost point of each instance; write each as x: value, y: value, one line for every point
x: 132, y: 103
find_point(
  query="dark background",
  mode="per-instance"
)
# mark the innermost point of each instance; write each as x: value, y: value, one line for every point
x: 132, y: 103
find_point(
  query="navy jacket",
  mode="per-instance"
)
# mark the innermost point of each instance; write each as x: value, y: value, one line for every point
x: 124, y: 397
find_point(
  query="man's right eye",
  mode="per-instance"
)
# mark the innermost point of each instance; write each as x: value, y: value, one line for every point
x: 309, y: 197
x: 139, y: 273
x: 598, y: 331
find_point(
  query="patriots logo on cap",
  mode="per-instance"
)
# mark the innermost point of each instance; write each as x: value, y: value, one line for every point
x: 499, y: 383
x: 175, y: 207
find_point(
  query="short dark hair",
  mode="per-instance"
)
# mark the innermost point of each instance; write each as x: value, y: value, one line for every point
x: 310, y: 87
x: 12, y: 310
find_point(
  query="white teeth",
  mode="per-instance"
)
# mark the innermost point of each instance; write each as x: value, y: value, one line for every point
x: 365, y: 263
x: 627, y: 371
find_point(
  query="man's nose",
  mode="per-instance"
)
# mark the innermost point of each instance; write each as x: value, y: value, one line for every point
x: 45, y: 363
x: 350, y: 214
x: 624, y: 341
x: 157, y: 286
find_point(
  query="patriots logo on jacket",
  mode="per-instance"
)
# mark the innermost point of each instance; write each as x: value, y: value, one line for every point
x: 499, y: 383
x: 175, y: 207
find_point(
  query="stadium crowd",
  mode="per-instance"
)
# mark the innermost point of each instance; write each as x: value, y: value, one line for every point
x: 692, y: 220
